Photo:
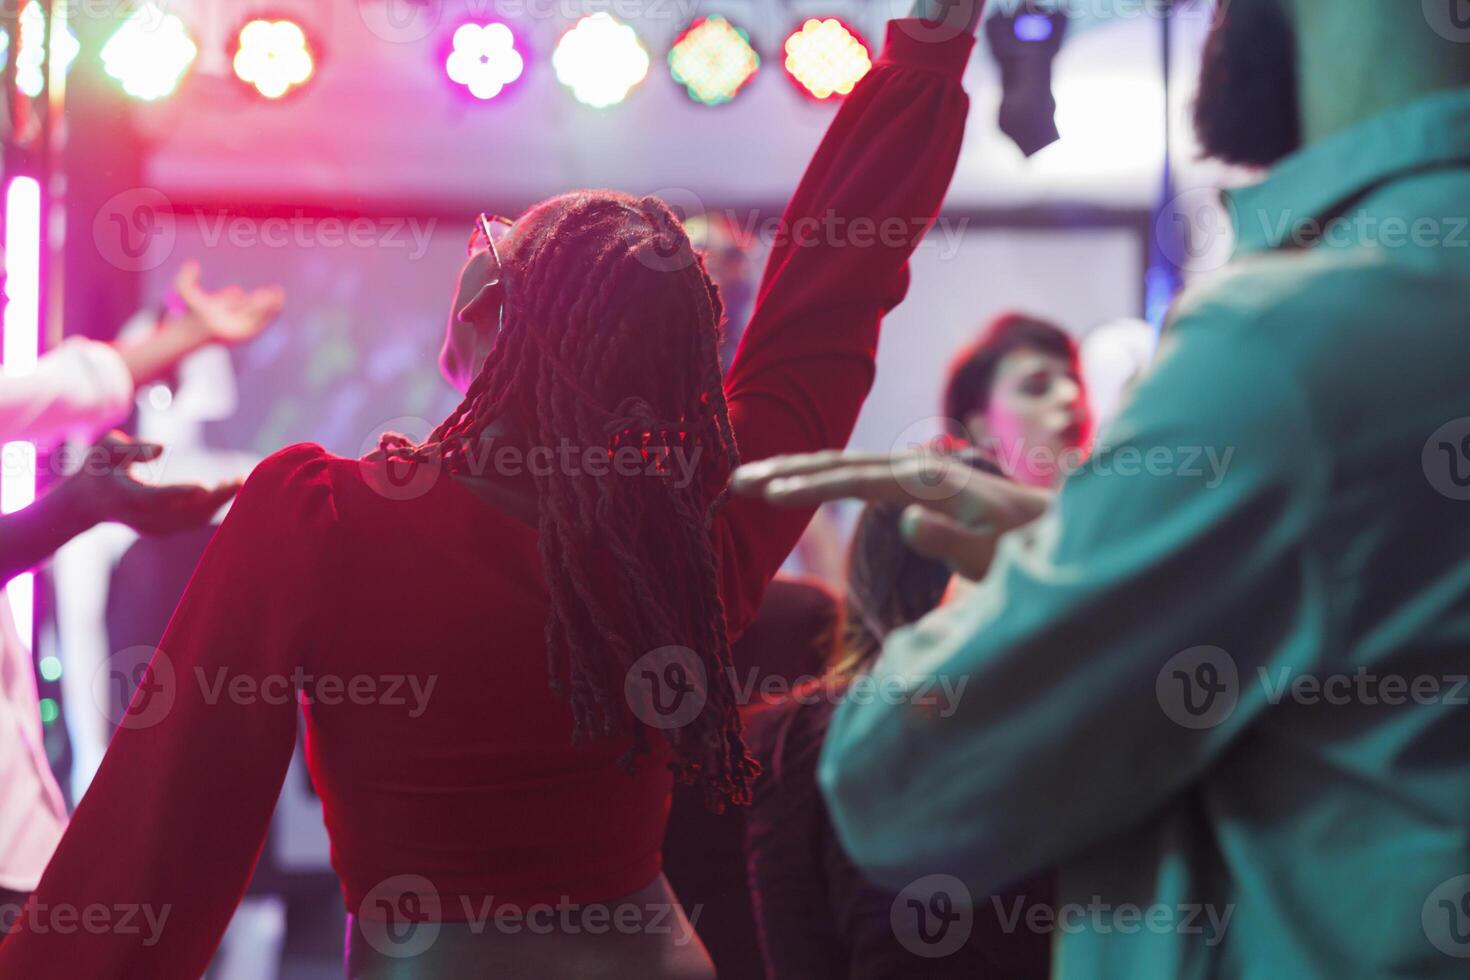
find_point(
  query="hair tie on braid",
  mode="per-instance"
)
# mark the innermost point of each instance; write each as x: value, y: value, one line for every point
x: 634, y: 414
x: 395, y: 442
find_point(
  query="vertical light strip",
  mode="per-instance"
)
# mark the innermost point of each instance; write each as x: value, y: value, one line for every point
x: 22, y: 348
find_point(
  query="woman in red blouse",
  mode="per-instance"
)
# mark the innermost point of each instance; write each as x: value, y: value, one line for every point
x: 483, y: 820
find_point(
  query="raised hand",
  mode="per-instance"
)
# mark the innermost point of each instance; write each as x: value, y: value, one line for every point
x: 229, y: 315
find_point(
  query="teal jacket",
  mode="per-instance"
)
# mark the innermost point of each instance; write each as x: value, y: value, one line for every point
x: 1221, y: 687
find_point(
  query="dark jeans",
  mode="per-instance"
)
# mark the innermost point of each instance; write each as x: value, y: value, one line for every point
x: 11, y: 904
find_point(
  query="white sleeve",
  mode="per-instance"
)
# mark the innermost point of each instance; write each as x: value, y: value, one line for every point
x: 82, y: 386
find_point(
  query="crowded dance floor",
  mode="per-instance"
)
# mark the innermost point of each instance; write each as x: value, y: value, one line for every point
x: 740, y: 489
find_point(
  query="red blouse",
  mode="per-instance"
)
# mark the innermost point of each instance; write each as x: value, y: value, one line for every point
x: 318, y: 580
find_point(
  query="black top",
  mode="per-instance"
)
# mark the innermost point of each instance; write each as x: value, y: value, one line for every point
x: 819, y: 919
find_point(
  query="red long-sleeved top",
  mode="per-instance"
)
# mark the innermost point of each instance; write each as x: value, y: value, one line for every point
x: 317, y: 577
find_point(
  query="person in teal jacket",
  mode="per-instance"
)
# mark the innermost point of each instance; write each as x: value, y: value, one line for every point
x: 1221, y: 681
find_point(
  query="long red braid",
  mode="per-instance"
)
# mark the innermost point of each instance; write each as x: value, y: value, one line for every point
x: 611, y: 338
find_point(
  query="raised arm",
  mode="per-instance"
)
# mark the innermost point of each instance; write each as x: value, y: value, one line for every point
x: 838, y: 264
x: 163, y: 844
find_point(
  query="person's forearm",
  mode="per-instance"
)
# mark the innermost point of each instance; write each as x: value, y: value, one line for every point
x: 155, y: 354
x: 29, y: 536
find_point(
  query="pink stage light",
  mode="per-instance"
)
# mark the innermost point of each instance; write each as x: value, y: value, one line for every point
x: 484, y: 59
x: 22, y: 348
x: 274, y: 56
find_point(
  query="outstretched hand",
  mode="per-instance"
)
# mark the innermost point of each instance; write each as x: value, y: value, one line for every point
x: 229, y: 315
x: 954, y: 512
x: 104, y: 489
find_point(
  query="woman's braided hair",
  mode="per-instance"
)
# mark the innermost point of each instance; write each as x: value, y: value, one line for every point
x: 611, y: 339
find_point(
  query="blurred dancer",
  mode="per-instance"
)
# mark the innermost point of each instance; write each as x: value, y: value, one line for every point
x: 1017, y: 395
x: 82, y: 387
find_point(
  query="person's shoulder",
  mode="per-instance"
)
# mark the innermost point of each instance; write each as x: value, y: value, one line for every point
x: 1282, y: 297
x: 294, y: 485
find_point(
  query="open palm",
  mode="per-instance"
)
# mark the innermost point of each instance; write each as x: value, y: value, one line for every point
x: 230, y: 315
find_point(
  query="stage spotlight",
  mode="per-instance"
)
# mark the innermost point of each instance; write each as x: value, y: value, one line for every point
x: 826, y: 58
x: 149, y: 53
x: 484, y: 59
x: 29, y: 62
x: 20, y: 346
x: 713, y: 59
x: 1025, y: 42
x: 600, y: 60
x: 274, y: 56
